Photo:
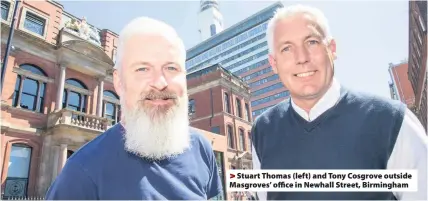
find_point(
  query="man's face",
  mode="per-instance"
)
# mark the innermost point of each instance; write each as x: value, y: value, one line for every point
x: 302, y: 58
x: 153, y: 75
x: 153, y: 94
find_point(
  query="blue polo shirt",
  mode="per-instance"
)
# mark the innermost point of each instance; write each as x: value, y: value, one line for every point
x: 103, y: 170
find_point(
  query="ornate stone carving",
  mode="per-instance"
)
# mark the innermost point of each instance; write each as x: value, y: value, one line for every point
x: 83, y: 30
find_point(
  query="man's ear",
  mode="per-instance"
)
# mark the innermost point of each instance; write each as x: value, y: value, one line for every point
x: 117, y: 83
x: 332, y: 47
x: 272, y: 63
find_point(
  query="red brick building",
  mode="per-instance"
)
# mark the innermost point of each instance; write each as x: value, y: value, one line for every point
x: 401, y: 88
x: 57, y: 93
x: 418, y: 74
x: 219, y: 102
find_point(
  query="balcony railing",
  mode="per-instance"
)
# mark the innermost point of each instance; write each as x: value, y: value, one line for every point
x: 78, y: 119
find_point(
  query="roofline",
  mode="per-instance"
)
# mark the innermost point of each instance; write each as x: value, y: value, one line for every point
x: 276, y: 4
x: 392, y: 65
x: 219, y: 66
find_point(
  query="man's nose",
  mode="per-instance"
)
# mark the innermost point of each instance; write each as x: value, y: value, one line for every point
x: 159, y: 82
x: 302, y: 55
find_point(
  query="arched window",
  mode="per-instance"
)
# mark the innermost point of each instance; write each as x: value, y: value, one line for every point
x: 18, y: 171
x: 241, y: 140
x: 30, y: 88
x: 111, y: 108
x: 230, y: 137
x: 74, y: 97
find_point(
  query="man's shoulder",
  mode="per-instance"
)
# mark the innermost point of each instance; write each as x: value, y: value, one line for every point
x: 200, y: 137
x: 275, y: 112
x: 99, y: 148
x: 374, y: 102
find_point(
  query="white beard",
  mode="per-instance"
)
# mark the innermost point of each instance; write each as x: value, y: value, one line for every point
x: 160, y: 138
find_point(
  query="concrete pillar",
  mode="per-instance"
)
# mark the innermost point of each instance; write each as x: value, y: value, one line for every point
x: 45, y: 169
x: 55, y: 150
x: 62, y: 157
x: 60, y: 90
x: 100, y: 97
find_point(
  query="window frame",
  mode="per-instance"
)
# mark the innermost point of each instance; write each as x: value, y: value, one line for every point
x: 230, y: 142
x: 115, y: 102
x: 25, y: 10
x: 38, y: 78
x: 84, y: 93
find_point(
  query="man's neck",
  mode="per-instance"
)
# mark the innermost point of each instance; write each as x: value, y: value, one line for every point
x: 310, y: 108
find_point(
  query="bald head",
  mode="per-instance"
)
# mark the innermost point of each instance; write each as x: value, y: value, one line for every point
x: 146, y: 28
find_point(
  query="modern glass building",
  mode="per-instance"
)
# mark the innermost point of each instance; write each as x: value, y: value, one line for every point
x: 242, y: 49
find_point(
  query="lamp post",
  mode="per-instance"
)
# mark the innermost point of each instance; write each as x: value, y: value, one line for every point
x: 9, y: 44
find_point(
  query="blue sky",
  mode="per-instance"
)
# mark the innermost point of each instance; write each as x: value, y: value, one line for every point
x: 369, y: 34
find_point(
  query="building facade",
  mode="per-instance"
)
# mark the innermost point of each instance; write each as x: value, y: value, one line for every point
x: 418, y: 57
x: 219, y: 102
x: 242, y: 49
x: 57, y: 94
x: 400, y: 86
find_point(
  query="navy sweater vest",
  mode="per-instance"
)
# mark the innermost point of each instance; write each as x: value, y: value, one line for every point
x: 359, y: 132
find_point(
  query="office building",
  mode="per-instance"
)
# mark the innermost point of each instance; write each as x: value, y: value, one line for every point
x: 418, y: 57
x: 242, y: 49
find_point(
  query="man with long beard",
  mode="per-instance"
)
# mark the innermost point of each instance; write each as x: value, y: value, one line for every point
x: 152, y: 153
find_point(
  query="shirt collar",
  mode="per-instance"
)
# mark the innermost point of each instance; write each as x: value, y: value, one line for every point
x: 329, y: 99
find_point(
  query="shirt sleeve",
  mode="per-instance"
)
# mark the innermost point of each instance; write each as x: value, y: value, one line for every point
x: 410, y: 152
x: 214, y: 186
x: 72, y: 184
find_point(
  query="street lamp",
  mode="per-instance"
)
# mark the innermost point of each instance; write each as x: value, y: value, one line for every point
x: 8, y: 45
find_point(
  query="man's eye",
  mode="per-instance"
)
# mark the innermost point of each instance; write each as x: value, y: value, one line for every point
x: 285, y: 49
x: 313, y: 42
x: 172, y: 68
x: 142, y: 69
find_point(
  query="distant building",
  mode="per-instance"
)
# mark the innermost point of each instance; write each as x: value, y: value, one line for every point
x: 418, y: 57
x: 210, y: 19
x: 242, y: 49
x: 401, y: 88
x: 219, y: 102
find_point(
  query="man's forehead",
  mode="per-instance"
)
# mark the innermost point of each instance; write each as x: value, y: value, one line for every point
x: 300, y: 24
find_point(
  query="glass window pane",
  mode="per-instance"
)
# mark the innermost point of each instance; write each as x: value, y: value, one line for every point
x: 33, y: 69
x: 19, y: 162
x: 111, y: 94
x: 4, y: 10
x: 110, y: 109
x: 75, y: 83
x: 28, y: 101
x: 34, y: 23
x: 30, y: 86
x: 74, y: 99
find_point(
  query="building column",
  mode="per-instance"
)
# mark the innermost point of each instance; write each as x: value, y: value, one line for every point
x: 100, y: 96
x: 62, y: 157
x: 55, y: 150
x: 60, y: 90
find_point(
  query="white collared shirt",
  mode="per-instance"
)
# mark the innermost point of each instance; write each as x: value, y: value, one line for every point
x: 410, y: 150
x: 329, y: 99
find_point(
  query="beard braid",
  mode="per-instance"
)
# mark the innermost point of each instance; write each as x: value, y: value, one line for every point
x: 157, y: 134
